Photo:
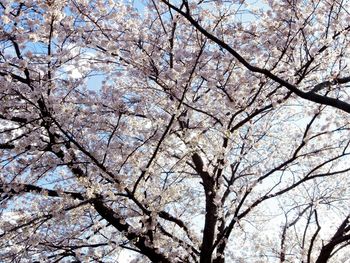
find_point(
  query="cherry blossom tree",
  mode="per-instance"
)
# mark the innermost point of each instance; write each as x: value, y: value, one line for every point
x: 183, y: 131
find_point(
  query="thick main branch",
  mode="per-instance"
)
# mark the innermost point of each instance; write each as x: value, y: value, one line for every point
x: 310, y: 96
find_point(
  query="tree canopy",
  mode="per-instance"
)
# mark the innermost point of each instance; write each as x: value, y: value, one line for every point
x: 183, y: 131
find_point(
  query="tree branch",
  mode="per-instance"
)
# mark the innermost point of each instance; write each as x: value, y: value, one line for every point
x: 311, y: 96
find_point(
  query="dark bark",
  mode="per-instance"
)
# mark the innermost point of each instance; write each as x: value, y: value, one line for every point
x: 310, y: 96
x: 139, y: 241
x: 210, y: 209
x: 339, y: 237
